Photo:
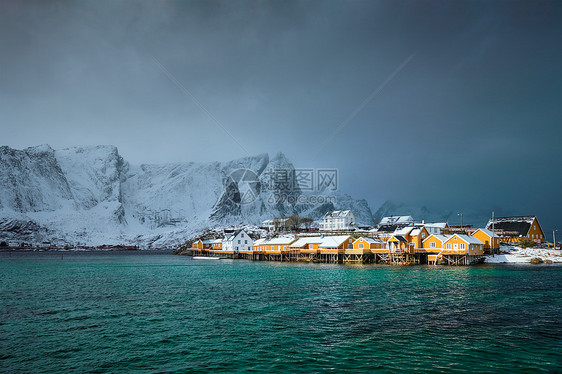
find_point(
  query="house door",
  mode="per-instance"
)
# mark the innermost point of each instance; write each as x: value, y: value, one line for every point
x: 455, y: 246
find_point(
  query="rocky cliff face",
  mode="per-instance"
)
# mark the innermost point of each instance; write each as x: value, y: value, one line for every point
x: 90, y: 195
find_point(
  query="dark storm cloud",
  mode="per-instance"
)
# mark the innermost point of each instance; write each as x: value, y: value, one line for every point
x: 472, y: 121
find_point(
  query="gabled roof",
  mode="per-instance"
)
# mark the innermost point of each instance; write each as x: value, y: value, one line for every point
x: 304, y: 241
x: 218, y: 241
x: 519, y: 225
x: 369, y: 240
x: 260, y: 241
x: 400, y: 238
x: 333, y: 241
x: 466, y: 238
x: 396, y: 220
x: 415, y: 232
x: 485, y: 231
x: 441, y: 238
x: 403, y: 231
x: 208, y: 241
x: 282, y: 240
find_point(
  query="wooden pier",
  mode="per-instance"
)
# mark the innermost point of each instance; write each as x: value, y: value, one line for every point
x: 346, y: 256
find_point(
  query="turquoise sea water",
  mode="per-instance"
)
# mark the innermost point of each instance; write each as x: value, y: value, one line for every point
x: 146, y: 312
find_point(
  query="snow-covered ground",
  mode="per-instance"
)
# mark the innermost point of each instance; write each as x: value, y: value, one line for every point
x: 524, y: 255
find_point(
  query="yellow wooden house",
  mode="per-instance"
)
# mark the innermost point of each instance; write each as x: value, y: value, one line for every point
x: 365, y: 245
x: 486, y: 236
x: 515, y: 229
x: 433, y: 243
x: 306, y: 244
x: 463, y: 244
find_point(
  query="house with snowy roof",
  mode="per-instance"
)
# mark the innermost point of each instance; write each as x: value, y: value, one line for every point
x: 434, y: 243
x: 464, y: 244
x: 276, y: 224
x: 338, y: 220
x: 260, y: 245
x: 237, y: 241
x: 307, y: 243
x: 368, y: 243
x: 436, y: 227
x: 335, y: 243
x: 279, y: 244
x: 217, y: 244
x: 515, y: 229
x: 490, y: 239
x: 390, y: 224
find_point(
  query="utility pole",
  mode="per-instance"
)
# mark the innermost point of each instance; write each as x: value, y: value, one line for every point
x: 554, y: 238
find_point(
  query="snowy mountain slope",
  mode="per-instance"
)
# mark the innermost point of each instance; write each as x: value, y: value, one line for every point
x: 91, y: 196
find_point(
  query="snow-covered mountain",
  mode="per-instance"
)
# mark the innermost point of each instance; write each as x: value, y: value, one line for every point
x: 92, y: 196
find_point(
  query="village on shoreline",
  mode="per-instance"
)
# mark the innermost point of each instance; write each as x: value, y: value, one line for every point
x: 395, y: 240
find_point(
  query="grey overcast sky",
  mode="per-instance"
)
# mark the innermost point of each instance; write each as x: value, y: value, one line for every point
x: 467, y: 111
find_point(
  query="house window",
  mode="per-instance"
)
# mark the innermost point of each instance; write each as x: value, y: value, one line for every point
x: 361, y: 246
x: 351, y: 241
x: 238, y: 241
x: 432, y: 244
x: 448, y: 245
x: 462, y: 246
x: 311, y: 246
x: 242, y: 235
x: 534, y: 227
x: 246, y: 241
x: 423, y: 235
x: 271, y: 248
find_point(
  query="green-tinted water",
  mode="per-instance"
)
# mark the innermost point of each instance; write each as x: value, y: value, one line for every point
x: 121, y: 312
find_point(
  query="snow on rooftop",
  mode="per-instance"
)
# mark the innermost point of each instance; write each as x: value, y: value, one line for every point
x: 369, y: 240
x: 440, y: 237
x: 403, y: 231
x: 281, y: 240
x: 487, y: 232
x: 526, y: 219
x: 466, y: 238
x: 440, y: 225
x: 301, y: 242
x: 392, y: 220
x: 333, y: 241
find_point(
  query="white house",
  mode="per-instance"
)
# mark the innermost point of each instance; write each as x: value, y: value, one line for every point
x: 338, y: 220
x: 238, y: 241
x: 275, y: 224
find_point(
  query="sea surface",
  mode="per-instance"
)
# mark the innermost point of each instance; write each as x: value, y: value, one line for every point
x: 117, y: 312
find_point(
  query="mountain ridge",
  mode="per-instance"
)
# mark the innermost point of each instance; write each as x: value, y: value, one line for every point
x: 91, y: 196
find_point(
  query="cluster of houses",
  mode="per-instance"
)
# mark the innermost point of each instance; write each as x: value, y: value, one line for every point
x: 396, y: 240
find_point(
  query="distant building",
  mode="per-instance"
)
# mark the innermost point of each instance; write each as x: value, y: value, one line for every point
x: 515, y: 229
x: 390, y: 224
x: 338, y: 220
x: 437, y: 228
x: 276, y: 224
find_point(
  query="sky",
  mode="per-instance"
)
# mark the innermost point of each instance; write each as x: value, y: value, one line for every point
x: 452, y: 105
